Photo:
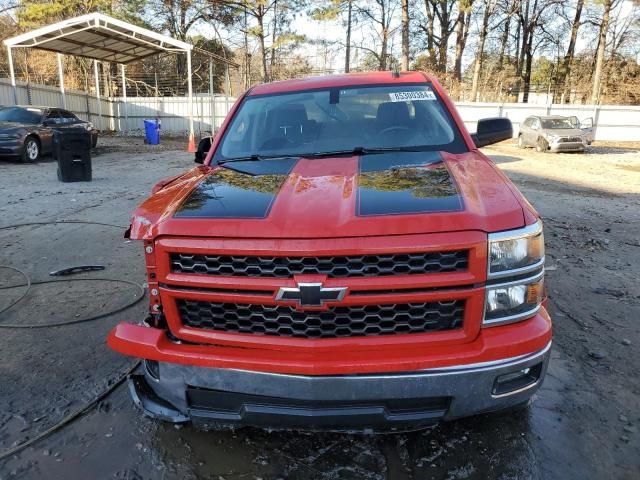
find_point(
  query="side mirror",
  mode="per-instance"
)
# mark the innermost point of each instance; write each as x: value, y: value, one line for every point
x: 204, y: 146
x: 492, y: 130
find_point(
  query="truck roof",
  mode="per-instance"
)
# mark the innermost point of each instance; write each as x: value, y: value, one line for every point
x: 343, y: 80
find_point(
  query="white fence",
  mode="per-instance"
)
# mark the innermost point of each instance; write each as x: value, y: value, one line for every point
x: 82, y: 104
x: 117, y: 115
x: 613, y: 122
x: 173, y: 112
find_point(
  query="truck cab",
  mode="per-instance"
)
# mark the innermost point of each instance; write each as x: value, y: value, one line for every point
x: 344, y: 258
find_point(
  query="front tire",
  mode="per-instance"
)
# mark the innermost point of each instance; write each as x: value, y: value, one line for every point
x: 541, y: 145
x: 520, y: 141
x: 30, y: 150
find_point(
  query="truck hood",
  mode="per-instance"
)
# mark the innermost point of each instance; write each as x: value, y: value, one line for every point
x: 380, y: 194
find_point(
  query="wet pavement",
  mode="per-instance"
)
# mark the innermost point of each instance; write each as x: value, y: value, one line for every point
x: 582, y: 423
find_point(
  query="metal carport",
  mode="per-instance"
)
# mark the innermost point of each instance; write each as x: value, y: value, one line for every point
x: 101, y: 38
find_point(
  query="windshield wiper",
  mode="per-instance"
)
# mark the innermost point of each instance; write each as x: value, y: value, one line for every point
x: 334, y: 153
x: 365, y: 151
x: 254, y: 158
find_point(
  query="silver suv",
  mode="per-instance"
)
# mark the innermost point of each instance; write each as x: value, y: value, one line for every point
x: 555, y: 133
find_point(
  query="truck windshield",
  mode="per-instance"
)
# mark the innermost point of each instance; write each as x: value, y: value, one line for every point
x: 557, y: 123
x: 335, y: 119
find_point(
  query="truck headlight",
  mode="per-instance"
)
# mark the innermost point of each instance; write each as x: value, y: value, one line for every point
x: 513, y: 301
x: 516, y: 251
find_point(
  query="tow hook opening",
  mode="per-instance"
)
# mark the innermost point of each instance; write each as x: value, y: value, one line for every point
x: 153, y: 369
x: 514, y: 382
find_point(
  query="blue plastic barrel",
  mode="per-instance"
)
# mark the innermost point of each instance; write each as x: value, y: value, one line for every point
x: 152, y: 132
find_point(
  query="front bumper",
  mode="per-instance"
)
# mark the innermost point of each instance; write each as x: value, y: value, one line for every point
x: 216, y: 397
x: 566, y: 147
x: 11, y: 147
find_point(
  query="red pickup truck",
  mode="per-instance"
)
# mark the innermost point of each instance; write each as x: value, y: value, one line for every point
x: 345, y: 258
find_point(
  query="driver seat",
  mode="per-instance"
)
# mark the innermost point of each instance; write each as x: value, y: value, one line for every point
x: 284, y: 124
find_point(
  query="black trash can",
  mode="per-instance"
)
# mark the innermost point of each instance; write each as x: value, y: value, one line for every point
x: 72, y: 151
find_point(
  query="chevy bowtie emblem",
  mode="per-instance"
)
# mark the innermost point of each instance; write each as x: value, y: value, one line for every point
x: 311, y: 294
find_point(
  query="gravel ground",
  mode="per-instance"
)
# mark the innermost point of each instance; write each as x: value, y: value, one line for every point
x: 583, y: 422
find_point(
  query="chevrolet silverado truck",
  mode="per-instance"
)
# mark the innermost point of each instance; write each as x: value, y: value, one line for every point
x: 345, y: 258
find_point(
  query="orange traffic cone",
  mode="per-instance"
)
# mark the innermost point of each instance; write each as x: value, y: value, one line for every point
x: 191, y: 148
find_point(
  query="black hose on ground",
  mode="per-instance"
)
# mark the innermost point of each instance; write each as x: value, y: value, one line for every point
x: 72, y: 416
x: 54, y: 222
x: 24, y: 294
x: 28, y: 283
x: 67, y: 322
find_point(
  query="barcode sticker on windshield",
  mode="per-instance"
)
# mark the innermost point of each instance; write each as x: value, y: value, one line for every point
x: 410, y: 96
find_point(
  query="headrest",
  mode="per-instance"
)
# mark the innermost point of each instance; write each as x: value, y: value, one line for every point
x: 392, y: 113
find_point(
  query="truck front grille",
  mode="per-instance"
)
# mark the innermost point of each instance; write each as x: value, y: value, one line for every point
x: 333, y: 267
x: 352, y: 321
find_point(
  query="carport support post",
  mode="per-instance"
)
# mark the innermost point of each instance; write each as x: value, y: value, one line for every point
x: 190, y: 84
x: 12, y: 75
x: 97, y: 78
x: 124, y: 97
x: 61, y: 80
x: 211, y: 99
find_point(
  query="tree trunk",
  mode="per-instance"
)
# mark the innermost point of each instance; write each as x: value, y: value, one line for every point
x: 247, y: 80
x: 261, y: 48
x: 527, y: 71
x: 405, y: 35
x: 602, y: 43
x: 385, y: 37
x: 480, y: 52
x: 444, y: 37
x: 106, y: 84
x: 517, y: 50
x: 383, y: 50
x: 462, y: 32
x: 430, y: 29
x: 523, y: 29
x: 347, y: 55
x: 503, y: 41
x: 272, y: 59
x: 565, y: 68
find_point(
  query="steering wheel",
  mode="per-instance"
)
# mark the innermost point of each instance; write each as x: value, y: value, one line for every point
x: 274, y: 143
x: 399, y: 133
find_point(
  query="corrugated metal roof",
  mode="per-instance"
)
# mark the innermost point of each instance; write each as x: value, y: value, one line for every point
x: 100, y: 37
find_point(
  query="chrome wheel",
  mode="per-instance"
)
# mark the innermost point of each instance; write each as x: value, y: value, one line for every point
x: 32, y: 150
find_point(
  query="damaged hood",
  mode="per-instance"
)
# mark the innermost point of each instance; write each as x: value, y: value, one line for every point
x: 563, y: 132
x: 379, y: 194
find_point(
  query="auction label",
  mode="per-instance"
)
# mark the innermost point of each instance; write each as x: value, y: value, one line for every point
x: 410, y: 96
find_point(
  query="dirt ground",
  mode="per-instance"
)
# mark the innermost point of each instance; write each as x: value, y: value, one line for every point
x: 583, y: 423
